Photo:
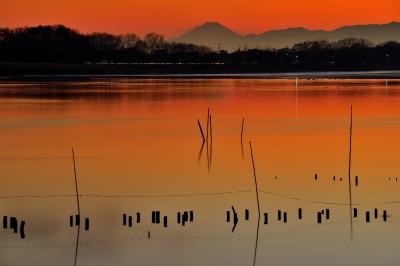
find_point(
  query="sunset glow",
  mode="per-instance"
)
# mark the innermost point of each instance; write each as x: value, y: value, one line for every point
x: 173, y: 17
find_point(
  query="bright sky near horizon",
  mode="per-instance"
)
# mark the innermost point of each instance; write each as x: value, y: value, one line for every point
x: 173, y: 17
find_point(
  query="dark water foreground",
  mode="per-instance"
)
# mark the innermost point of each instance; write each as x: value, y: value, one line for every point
x: 138, y: 150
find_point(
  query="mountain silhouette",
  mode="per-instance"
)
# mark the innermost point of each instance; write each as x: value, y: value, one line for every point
x: 215, y: 35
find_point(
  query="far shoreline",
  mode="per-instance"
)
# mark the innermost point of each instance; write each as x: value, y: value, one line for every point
x: 211, y: 71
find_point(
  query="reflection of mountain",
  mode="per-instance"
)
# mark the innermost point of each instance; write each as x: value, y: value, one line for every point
x: 212, y: 33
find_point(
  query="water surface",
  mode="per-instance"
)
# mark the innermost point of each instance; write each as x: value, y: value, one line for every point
x: 138, y: 149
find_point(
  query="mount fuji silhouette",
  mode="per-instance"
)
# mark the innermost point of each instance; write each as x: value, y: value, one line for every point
x: 216, y: 35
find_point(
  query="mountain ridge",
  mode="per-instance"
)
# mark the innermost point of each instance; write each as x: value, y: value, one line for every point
x: 215, y: 35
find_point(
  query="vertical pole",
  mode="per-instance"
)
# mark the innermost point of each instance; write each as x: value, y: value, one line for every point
x: 201, y: 130
x: 258, y: 205
x: 241, y: 138
x: 350, y: 198
x: 76, y: 183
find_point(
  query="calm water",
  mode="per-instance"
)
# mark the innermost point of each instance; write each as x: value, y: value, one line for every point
x: 138, y: 149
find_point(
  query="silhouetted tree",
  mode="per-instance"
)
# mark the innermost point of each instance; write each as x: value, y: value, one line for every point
x: 61, y: 44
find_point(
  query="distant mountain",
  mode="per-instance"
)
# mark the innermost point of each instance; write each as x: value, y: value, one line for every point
x: 213, y: 34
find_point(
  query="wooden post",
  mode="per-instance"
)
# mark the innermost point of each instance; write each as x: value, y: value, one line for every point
x: 367, y: 216
x: 235, y: 219
x: 22, y: 229
x: 5, y: 224
x: 165, y: 221
x: 246, y: 215
x: 300, y: 213
x: 157, y: 217
x: 87, y: 223
x: 130, y: 221
x: 184, y: 218
x: 14, y: 224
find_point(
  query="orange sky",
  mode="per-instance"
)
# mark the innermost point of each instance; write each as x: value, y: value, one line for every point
x: 172, y: 17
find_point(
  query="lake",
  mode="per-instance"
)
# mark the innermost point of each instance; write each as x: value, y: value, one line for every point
x: 138, y: 149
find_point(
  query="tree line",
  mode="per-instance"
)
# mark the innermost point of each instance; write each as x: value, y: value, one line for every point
x: 64, y: 45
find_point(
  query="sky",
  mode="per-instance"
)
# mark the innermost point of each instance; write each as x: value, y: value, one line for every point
x: 174, y: 17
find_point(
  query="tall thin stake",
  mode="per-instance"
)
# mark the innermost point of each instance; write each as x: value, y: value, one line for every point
x: 350, y: 197
x: 208, y: 155
x: 208, y: 120
x: 210, y: 141
x: 241, y: 137
x: 79, y: 209
x: 258, y: 205
x: 201, y: 130
x: 76, y: 183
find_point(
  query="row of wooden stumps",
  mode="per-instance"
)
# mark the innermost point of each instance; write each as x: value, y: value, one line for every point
x: 127, y: 220
x: 206, y: 139
x: 12, y: 223
x: 78, y: 221
x: 368, y: 214
x: 340, y: 179
x: 182, y: 218
x: 283, y: 215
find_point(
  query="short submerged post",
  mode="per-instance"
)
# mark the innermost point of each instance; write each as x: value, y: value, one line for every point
x: 5, y: 224
x: 246, y: 215
x: 319, y: 217
x: 14, y: 224
x: 165, y: 221
x: 300, y: 214
x: 87, y: 224
x: 130, y: 221
x: 22, y: 229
